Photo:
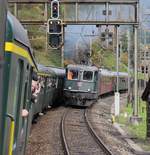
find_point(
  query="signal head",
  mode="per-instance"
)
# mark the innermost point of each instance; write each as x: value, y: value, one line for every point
x: 55, y: 9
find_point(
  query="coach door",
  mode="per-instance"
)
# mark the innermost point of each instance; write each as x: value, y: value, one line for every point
x: 26, y: 105
x: 17, y: 103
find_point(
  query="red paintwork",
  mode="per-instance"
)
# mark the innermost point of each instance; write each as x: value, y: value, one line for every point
x: 106, y: 86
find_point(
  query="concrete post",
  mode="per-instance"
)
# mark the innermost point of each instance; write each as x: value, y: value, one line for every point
x: 117, y: 95
x: 135, y: 119
x: 117, y: 58
x: 129, y: 84
x: 135, y: 110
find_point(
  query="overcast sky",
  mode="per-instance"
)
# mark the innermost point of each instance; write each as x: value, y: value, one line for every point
x: 146, y: 3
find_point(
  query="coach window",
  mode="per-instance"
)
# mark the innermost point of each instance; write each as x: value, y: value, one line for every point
x: 87, y: 75
x: 49, y: 83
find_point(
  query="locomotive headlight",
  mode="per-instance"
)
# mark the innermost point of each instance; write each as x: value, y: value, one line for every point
x: 89, y: 90
x: 69, y: 88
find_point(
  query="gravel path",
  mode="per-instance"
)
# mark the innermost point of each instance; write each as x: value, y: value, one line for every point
x: 45, y: 135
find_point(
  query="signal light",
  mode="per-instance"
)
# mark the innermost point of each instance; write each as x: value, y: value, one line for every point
x: 110, y: 42
x: 54, y: 33
x: 54, y: 26
x: 55, y: 9
x: 106, y: 35
x: 103, y: 36
x: 110, y: 34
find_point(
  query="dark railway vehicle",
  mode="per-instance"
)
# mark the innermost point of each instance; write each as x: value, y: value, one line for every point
x: 41, y: 91
x: 58, y: 84
x: 18, y: 69
x: 28, y: 88
x: 3, y: 13
x: 51, y: 82
x: 84, y: 83
x: 81, y: 84
x: 54, y: 84
x: 20, y: 73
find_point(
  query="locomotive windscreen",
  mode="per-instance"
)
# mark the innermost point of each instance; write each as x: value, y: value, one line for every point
x: 72, y: 75
x: 87, y: 75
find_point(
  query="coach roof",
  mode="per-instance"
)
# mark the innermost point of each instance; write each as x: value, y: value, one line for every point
x: 15, y: 31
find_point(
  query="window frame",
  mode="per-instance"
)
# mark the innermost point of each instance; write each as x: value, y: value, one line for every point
x: 88, y: 80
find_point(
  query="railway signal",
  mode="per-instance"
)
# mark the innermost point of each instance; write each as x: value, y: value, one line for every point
x: 54, y: 33
x: 55, y: 9
x: 54, y: 26
x: 103, y: 36
x: 54, y: 40
x: 107, y: 36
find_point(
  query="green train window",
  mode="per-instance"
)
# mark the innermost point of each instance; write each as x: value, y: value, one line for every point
x: 96, y: 76
x: 87, y: 75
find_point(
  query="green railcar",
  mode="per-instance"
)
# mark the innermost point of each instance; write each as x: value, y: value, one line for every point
x: 18, y: 69
x: 46, y: 78
x: 53, y: 84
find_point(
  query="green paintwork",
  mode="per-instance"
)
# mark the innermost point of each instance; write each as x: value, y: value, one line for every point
x: 80, y: 85
x: 9, y: 32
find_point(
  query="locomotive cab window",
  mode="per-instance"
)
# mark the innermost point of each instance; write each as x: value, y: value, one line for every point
x: 87, y: 75
x: 96, y: 76
x: 72, y: 75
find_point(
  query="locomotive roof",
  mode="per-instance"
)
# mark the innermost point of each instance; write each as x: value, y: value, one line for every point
x: 16, y: 31
x: 82, y: 67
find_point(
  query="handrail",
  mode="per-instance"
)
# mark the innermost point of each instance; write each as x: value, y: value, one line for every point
x: 12, y: 129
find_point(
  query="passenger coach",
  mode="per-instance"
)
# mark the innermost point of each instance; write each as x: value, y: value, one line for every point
x: 18, y: 69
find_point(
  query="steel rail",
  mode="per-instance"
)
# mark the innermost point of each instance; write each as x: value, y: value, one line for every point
x: 64, y: 140
x: 94, y: 134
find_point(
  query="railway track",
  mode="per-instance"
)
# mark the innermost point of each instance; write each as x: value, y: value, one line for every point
x: 78, y: 136
x: 96, y: 137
